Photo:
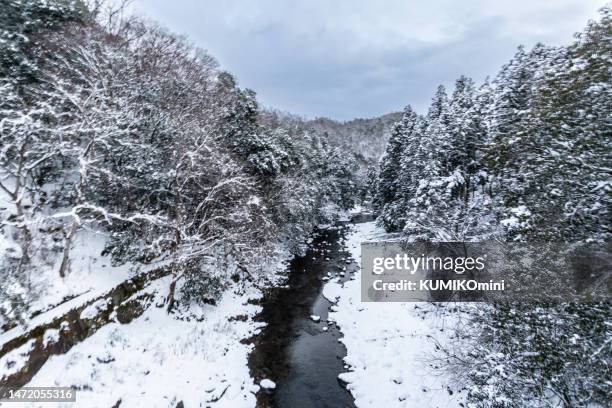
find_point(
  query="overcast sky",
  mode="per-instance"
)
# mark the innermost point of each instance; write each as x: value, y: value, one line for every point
x: 351, y: 58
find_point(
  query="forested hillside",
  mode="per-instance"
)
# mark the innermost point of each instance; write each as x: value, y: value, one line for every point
x: 123, y: 130
x: 525, y: 157
x: 366, y: 138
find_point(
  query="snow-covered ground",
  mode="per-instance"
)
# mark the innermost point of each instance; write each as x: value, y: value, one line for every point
x: 391, y: 347
x: 89, y: 270
x: 158, y: 360
x: 90, y: 276
x: 42, y: 288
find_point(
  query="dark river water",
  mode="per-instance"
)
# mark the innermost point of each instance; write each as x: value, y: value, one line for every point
x: 293, y: 350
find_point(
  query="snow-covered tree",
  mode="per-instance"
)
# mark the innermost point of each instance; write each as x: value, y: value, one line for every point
x: 389, y: 195
x: 24, y: 23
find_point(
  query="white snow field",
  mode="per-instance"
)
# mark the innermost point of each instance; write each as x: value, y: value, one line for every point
x: 390, y: 346
x: 158, y: 360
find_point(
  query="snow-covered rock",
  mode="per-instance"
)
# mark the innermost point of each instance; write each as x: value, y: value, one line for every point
x: 92, y: 310
x: 267, y: 384
x: 332, y: 291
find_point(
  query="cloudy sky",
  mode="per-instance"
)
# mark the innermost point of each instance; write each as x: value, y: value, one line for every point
x: 362, y: 58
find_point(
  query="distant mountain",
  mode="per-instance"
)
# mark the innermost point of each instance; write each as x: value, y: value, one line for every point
x: 366, y: 138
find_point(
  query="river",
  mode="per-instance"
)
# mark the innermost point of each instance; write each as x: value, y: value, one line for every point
x: 295, y: 351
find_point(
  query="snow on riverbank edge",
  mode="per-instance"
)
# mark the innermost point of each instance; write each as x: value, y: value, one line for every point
x: 390, y: 346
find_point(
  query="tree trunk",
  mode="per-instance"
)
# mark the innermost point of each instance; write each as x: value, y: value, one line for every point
x: 170, y: 298
x: 25, y: 232
x: 177, y: 242
x: 66, y: 255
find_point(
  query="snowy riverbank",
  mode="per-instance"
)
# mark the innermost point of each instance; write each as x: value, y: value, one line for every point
x: 158, y: 360
x: 390, y: 346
